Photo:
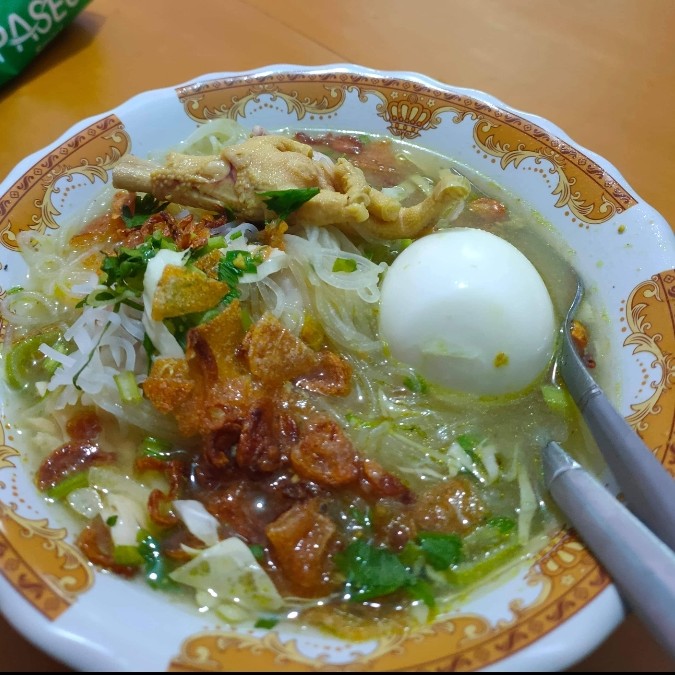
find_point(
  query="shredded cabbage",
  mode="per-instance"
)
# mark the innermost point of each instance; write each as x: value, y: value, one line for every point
x: 232, y: 577
x: 198, y: 520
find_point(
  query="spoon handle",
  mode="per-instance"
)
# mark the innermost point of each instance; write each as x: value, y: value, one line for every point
x: 647, y: 486
x: 640, y: 564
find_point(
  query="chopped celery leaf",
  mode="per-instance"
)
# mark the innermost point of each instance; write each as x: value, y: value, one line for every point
x: 372, y: 572
x: 127, y: 267
x: 441, y: 550
x: 266, y: 623
x: 143, y: 207
x: 422, y: 590
x: 284, y: 202
x: 258, y: 551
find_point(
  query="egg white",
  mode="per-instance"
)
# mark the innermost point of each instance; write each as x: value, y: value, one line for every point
x: 469, y: 311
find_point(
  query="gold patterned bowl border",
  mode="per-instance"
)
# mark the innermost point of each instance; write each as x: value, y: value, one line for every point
x: 649, y: 316
x: 411, y: 108
x: 569, y: 578
x: 46, y: 570
x: 29, y: 205
x: 49, y: 572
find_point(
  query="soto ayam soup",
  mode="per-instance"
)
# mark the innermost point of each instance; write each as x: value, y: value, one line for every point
x: 292, y: 377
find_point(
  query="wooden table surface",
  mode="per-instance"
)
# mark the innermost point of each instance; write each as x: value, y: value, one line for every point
x: 603, y: 71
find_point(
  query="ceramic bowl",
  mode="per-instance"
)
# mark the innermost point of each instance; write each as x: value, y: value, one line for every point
x: 547, y: 614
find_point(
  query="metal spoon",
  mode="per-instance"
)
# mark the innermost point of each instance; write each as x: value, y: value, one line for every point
x: 647, y: 486
x: 640, y: 564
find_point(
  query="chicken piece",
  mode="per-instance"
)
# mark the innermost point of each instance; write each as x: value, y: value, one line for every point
x: 377, y: 158
x: 264, y: 163
x: 388, y: 219
x: 204, y: 182
x: 235, y: 180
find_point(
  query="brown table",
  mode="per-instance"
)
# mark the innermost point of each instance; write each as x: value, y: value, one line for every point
x: 604, y: 71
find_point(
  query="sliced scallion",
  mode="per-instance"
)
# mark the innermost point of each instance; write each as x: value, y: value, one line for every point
x: 128, y: 388
x: 68, y: 484
x: 127, y: 555
x: 154, y: 447
x: 556, y: 398
x: 344, y: 265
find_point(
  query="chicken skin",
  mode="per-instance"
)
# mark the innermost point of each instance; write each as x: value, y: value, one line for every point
x: 235, y: 180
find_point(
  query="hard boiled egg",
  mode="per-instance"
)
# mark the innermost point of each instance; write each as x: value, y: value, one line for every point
x: 468, y: 311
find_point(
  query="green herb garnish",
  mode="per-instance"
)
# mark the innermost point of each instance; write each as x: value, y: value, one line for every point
x: 440, y: 550
x: 557, y: 398
x: 246, y: 320
x: 422, y: 590
x: 127, y: 268
x: 150, y: 349
x: 470, y: 443
x: 284, y: 202
x: 156, y: 564
x: 257, y: 550
x: 234, y: 264
x: 127, y: 555
x: 217, y: 241
x: 143, y: 207
x: 266, y: 623
x: 361, y: 517
x: 372, y: 572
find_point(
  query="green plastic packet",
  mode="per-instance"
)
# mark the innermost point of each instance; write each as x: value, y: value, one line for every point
x: 27, y: 26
